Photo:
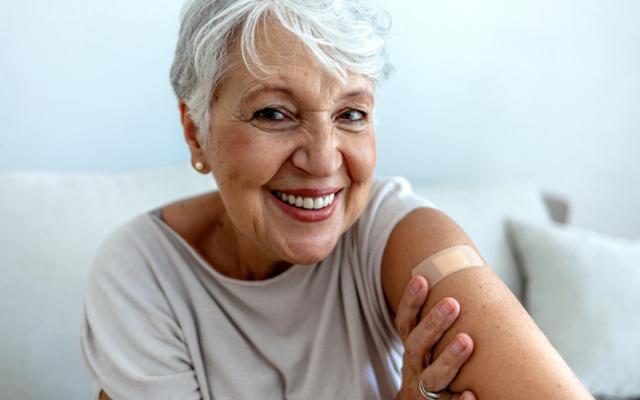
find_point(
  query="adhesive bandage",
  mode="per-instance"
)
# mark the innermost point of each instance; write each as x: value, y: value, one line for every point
x: 446, y: 262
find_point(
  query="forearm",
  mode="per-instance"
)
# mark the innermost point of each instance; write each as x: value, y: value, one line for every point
x: 512, y: 359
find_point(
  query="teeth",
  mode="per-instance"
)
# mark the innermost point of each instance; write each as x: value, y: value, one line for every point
x: 309, y: 203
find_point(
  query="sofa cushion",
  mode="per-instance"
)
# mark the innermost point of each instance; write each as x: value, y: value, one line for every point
x: 582, y: 291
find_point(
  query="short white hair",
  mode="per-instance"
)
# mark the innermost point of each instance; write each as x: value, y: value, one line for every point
x: 345, y: 36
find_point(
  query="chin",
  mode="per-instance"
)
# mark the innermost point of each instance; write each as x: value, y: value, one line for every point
x: 310, y: 253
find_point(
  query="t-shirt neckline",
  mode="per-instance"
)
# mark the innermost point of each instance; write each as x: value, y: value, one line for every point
x: 156, y: 216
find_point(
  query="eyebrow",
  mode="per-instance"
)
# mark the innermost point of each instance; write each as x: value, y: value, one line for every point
x: 266, y: 88
x: 279, y: 88
x: 358, y: 93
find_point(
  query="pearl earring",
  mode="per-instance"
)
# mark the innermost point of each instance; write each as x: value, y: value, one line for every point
x: 199, y: 165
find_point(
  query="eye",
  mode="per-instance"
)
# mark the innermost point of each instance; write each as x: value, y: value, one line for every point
x: 352, y: 115
x: 269, y: 114
x: 275, y: 118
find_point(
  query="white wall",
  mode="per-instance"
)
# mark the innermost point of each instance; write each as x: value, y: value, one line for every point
x: 492, y: 90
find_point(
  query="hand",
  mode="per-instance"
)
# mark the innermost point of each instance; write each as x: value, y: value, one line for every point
x: 419, y: 339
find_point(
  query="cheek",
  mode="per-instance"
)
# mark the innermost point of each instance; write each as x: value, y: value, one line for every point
x: 360, y: 157
x: 246, y: 158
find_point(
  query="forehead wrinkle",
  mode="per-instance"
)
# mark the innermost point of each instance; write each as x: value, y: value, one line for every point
x: 295, y: 71
x: 259, y: 88
x: 302, y: 92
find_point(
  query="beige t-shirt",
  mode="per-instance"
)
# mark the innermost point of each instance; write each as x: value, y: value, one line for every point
x: 160, y: 323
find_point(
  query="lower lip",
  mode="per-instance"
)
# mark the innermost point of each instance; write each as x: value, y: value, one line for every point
x: 304, y: 215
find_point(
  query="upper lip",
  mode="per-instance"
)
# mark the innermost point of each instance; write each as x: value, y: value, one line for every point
x: 307, y: 192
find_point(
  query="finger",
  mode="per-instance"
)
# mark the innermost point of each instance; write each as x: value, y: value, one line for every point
x: 444, y: 369
x: 420, y: 342
x: 466, y: 395
x: 411, y: 302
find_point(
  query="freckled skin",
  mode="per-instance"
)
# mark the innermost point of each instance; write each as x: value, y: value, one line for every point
x: 511, y: 357
x: 240, y: 230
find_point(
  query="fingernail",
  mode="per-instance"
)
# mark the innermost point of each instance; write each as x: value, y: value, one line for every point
x: 415, y: 286
x: 458, y: 346
x: 445, y: 308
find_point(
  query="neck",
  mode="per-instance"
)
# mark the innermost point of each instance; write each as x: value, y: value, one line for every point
x: 234, y: 255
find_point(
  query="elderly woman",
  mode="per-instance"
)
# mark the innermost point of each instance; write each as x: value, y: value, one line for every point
x: 294, y: 279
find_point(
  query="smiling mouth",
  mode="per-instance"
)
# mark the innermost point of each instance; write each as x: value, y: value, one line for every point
x: 305, y: 203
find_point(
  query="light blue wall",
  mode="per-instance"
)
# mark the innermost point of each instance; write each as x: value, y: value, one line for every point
x: 491, y: 90
x: 85, y: 84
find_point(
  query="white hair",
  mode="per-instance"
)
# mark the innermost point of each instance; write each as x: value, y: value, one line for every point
x: 345, y: 36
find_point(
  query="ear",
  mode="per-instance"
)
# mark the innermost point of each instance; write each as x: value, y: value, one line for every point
x: 190, y: 131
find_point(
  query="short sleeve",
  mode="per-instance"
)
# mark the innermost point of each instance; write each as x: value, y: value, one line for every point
x: 389, y: 202
x: 130, y: 340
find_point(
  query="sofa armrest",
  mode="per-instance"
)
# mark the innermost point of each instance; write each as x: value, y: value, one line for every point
x: 557, y: 206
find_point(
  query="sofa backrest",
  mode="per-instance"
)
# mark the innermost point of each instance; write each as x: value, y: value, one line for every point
x: 52, y: 224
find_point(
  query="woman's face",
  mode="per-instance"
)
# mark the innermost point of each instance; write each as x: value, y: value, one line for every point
x: 292, y: 151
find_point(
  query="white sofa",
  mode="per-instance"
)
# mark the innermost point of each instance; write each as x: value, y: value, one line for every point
x: 51, y: 224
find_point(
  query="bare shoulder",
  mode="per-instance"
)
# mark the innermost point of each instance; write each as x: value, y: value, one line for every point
x: 192, y: 217
x: 507, y: 341
x: 420, y: 234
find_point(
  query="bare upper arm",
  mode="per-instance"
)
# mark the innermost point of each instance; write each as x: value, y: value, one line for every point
x: 103, y: 396
x: 512, y: 358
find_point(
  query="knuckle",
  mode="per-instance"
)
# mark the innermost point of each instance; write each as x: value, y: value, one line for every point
x: 402, y: 332
x: 410, y: 352
x: 401, y: 327
x: 432, y: 330
x: 443, y: 320
x: 403, y: 301
x: 450, y: 361
x: 413, y: 303
x: 429, y: 333
x: 431, y: 324
x: 397, y: 322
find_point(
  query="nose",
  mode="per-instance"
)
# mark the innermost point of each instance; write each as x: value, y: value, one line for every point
x: 319, y: 155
